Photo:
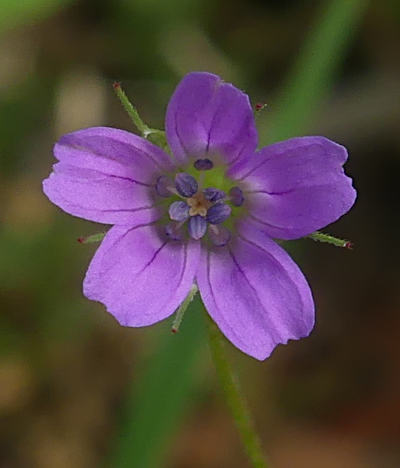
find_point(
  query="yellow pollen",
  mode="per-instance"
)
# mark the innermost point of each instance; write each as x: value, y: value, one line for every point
x: 198, y: 204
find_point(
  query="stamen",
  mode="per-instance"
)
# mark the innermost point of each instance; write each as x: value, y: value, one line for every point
x: 173, y: 231
x: 219, y: 235
x: 197, y: 227
x: 236, y: 196
x: 163, y: 186
x: 173, y: 191
x: 185, y: 184
x: 203, y: 164
x: 179, y: 211
x: 212, y: 194
x: 218, y: 213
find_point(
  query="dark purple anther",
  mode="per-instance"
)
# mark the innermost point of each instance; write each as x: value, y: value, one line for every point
x: 203, y: 164
x: 218, y: 213
x: 163, y: 185
x: 236, y: 196
x: 179, y: 211
x: 219, y: 235
x: 197, y: 227
x: 186, y: 184
x: 174, y: 231
x: 212, y: 194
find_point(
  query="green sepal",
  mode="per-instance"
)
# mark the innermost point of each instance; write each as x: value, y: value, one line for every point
x: 152, y: 134
x: 327, y: 238
x: 182, y: 309
x: 158, y: 138
x: 98, y: 237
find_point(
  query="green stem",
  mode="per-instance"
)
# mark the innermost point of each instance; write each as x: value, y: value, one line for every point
x: 235, y: 399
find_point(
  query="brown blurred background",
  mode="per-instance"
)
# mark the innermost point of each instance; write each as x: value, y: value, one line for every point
x: 331, y: 400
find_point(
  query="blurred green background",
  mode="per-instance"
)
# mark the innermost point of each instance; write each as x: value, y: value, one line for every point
x: 76, y: 389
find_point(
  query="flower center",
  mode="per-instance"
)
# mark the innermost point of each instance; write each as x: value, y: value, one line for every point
x: 196, y: 209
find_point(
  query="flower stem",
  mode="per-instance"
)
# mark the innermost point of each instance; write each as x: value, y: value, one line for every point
x: 235, y: 399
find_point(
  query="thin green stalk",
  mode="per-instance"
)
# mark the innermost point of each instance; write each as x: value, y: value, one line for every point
x: 235, y: 399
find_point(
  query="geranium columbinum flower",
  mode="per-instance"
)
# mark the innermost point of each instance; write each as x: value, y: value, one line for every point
x: 208, y: 215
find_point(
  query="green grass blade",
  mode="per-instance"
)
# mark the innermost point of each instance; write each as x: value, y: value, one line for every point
x: 157, y: 403
x: 314, y: 71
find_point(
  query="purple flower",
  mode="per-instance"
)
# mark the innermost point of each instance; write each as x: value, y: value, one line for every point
x: 169, y: 232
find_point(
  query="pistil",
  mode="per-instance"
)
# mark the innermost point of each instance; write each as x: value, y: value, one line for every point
x: 198, y: 204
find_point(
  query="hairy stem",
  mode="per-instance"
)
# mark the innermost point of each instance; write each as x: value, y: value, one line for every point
x: 234, y: 398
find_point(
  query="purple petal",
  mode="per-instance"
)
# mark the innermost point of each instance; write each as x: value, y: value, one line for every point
x: 179, y: 211
x: 106, y: 175
x: 139, y: 277
x: 197, y: 227
x: 99, y: 197
x: 185, y: 184
x: 207, y: 116
x: 255, y: 293
x: 296, y: 186
x: 218, y: 213
x: 113, y: 152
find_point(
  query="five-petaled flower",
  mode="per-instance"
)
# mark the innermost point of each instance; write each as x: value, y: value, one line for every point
x: 208, y: 214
